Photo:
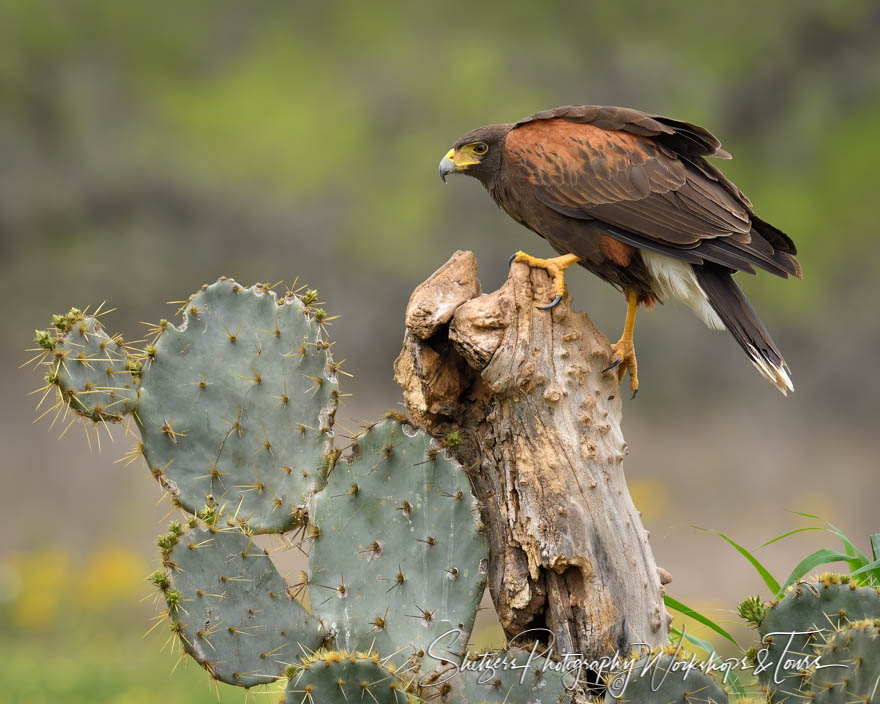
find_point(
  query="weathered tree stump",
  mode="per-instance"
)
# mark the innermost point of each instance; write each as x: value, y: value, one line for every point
x: 519, y: 395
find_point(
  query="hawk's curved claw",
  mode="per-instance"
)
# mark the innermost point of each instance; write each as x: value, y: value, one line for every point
x: 551, y: 304
x: 612, y: 365
x: 555, y: 267
x: 510, y: 261
x: 623, y: 356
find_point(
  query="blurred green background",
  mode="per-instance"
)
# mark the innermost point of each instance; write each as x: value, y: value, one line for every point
x: 146, y: 148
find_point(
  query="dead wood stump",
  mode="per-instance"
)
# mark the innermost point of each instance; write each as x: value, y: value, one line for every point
x: 518, y: 395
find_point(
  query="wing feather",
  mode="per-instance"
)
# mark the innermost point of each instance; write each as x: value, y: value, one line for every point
x: 645, y: 176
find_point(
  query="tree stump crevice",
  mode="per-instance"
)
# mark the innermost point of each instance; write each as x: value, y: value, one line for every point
x: 519, y: 396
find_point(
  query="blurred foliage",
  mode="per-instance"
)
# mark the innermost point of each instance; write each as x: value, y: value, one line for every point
x: 40, y: 588
x: 35, y: 586
x: 116, y: 114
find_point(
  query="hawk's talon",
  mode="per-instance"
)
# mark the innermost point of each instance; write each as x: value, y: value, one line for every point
x: 551, y: 304
x: 624, y: 356
x: 510, y: 261
x: 624, y: 351
x: 612, y: 365
x: 555, y: 267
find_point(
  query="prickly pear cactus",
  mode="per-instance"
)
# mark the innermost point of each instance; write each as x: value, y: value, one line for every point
x: 663, y: 678
x: 340, y: 677
x: 235, y: 405
x: 850, y: 666
x: 828, y: 602
x: 228, y: 604
x: 91, y: 371
x: 397, y: 559
x: 515, y: 675
x: 238, y: 402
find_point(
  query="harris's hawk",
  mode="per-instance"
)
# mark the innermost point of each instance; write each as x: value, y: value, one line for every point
x: 631, y: 197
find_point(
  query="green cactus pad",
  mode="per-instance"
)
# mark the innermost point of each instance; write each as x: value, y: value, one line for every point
x: 856, y: 647
x: 826, y: 603
x: 237, y: 404
x: 660, y: 678
x: 230, y: 607
x: 508, y: 677
x: 93, y: 373
x: 397, y: 558
x: 340, y: 677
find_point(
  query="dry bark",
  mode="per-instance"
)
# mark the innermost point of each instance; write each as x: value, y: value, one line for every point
x: 519, y: 395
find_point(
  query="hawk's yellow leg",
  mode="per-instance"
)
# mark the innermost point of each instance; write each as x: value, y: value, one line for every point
x: 555, y: 267
x: 623, y: 354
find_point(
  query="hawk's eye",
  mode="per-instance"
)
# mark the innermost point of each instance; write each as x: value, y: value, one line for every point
x: 480, y: 148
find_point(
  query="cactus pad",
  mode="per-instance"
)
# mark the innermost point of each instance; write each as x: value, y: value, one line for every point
x: 660, y: 678
x: 826, y: 603
x: 855, y: 647
x: 339, y: 677
x: 229, y: 605
x: 397, y: 559
x: 92, y: 371
x: 238, y: 403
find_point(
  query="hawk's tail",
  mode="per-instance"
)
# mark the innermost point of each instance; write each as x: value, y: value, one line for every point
x: 743, y: 322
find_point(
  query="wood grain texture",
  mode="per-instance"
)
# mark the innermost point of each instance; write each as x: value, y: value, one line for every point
x: 539, y: 428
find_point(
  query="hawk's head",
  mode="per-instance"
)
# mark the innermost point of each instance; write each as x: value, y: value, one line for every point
x: 477, y: 153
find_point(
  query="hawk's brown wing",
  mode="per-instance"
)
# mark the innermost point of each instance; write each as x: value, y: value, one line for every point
x: 646, y: 182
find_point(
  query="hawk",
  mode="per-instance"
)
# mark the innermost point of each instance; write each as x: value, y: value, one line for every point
x: 631, y: 197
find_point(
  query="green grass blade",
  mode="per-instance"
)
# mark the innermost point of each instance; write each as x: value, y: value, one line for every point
x: 870, y: 567
x: 807, y: 515
x: 791, y: 532
x: 854, y: 562
x: 875, y: 552
x: 697, y: 616
x: 820, y: 557
x: 857, y: 558
x: 768, y: 578
x: 699, y: 642
x: 875, y: 546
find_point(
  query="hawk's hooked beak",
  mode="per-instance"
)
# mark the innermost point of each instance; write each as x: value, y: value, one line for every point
x: 455, y: 161
x: 447, y: 165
